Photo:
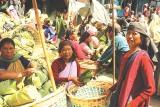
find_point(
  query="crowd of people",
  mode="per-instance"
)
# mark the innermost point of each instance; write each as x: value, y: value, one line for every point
x: 137, y: 46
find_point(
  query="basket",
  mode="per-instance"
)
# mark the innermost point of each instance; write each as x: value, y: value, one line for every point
x: 57, y: 99
x: 87, y: 64
x: 103, y: 84
x: 98, y: 101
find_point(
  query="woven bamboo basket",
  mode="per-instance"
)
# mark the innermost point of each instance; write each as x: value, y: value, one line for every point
x: 100, y: 101
x: 56, y: 99
x: 103, y: 84
x: 88, y: 64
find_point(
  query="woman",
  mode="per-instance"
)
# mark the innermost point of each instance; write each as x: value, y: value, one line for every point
x: 73, y: 39
x: 85, y: 41
x: 12, y: 65
x: 136, y: 81
x: 66, y: 68
x: 49, y: 32
x: 121, y: 46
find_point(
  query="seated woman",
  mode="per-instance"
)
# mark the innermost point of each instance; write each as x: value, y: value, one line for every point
x: 66, y: 68
x: 121, y: 46
x: 49, y: 31
x: 85, y: 41
x: 13, y: 65
x: 73, y: 39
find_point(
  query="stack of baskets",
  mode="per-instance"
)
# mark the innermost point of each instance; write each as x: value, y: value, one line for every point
x: 89, y: 95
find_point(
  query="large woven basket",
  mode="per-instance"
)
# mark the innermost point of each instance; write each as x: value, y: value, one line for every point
x: 100, y: 101
x: 56, y: 99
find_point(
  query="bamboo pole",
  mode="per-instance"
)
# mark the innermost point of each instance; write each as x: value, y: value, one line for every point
x: 41, y: 34
x: 113, y: 46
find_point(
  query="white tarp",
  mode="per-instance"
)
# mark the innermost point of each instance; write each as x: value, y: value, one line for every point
x: 73, y: 8
x: 97, y: 10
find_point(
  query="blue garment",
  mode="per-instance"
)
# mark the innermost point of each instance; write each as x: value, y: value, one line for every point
x: 48, y: 32
x: 121, y: 46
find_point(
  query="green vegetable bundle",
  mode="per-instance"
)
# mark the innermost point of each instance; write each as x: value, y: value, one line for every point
x: 23, y: 96
x: 7, y: 87
x: 86, y: 76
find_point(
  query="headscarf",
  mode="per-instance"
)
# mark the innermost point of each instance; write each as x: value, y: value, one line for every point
x: 147, y: 43
x: 138, y: 27
x: 15, y: 58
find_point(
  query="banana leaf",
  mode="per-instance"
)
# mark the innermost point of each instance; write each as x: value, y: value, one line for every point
x: 26, y: 95
x: 7, y: 87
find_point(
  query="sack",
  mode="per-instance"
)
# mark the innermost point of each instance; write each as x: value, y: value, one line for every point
x: 114, y: 99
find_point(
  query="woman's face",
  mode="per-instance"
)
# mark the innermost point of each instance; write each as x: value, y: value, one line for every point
x: 7, y: 51
x: 88, y: 40
x: 66, y: 52
x: 133, y: 39
x: 109, y: 33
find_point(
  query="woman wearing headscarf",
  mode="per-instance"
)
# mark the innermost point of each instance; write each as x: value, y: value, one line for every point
x: 135, y: 84
x: 12, y: 64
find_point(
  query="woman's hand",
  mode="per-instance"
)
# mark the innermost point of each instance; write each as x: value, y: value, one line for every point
x: 108, y: 93
x: 28, y: 72
x: 129, y: 104
x: 75, y: 81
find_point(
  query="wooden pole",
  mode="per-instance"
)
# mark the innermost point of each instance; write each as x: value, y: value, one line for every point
x: 41, y: 34
x: 113, y: 45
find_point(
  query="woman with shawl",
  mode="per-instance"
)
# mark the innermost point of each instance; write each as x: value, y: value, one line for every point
x: 13, y: 65
x: 135, y: 84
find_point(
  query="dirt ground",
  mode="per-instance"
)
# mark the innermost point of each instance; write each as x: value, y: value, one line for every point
x: 155, y: 101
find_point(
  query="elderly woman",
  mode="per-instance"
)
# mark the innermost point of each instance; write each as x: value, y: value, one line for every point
x: 12, y: 65
x: 135, y: 84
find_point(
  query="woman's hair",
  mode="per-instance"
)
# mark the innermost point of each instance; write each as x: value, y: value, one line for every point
x: 68, y: 34
x: 46, y: 21
x: 116, y: 26
x: 84, y: 36
x: 67, y: 43
x: 143, y: 44
x: 6, y: 40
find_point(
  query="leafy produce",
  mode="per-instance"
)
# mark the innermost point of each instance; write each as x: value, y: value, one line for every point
x: 23, y: 96
x: 46, y: 88
x: 7, y: 87
x: 86, y: 76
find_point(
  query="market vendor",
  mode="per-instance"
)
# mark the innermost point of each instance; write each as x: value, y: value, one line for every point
x: 12, y: 64
x: 121, y: 46
x: 66, y: 68
x: 49, y: 31
x: 84, y: 42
